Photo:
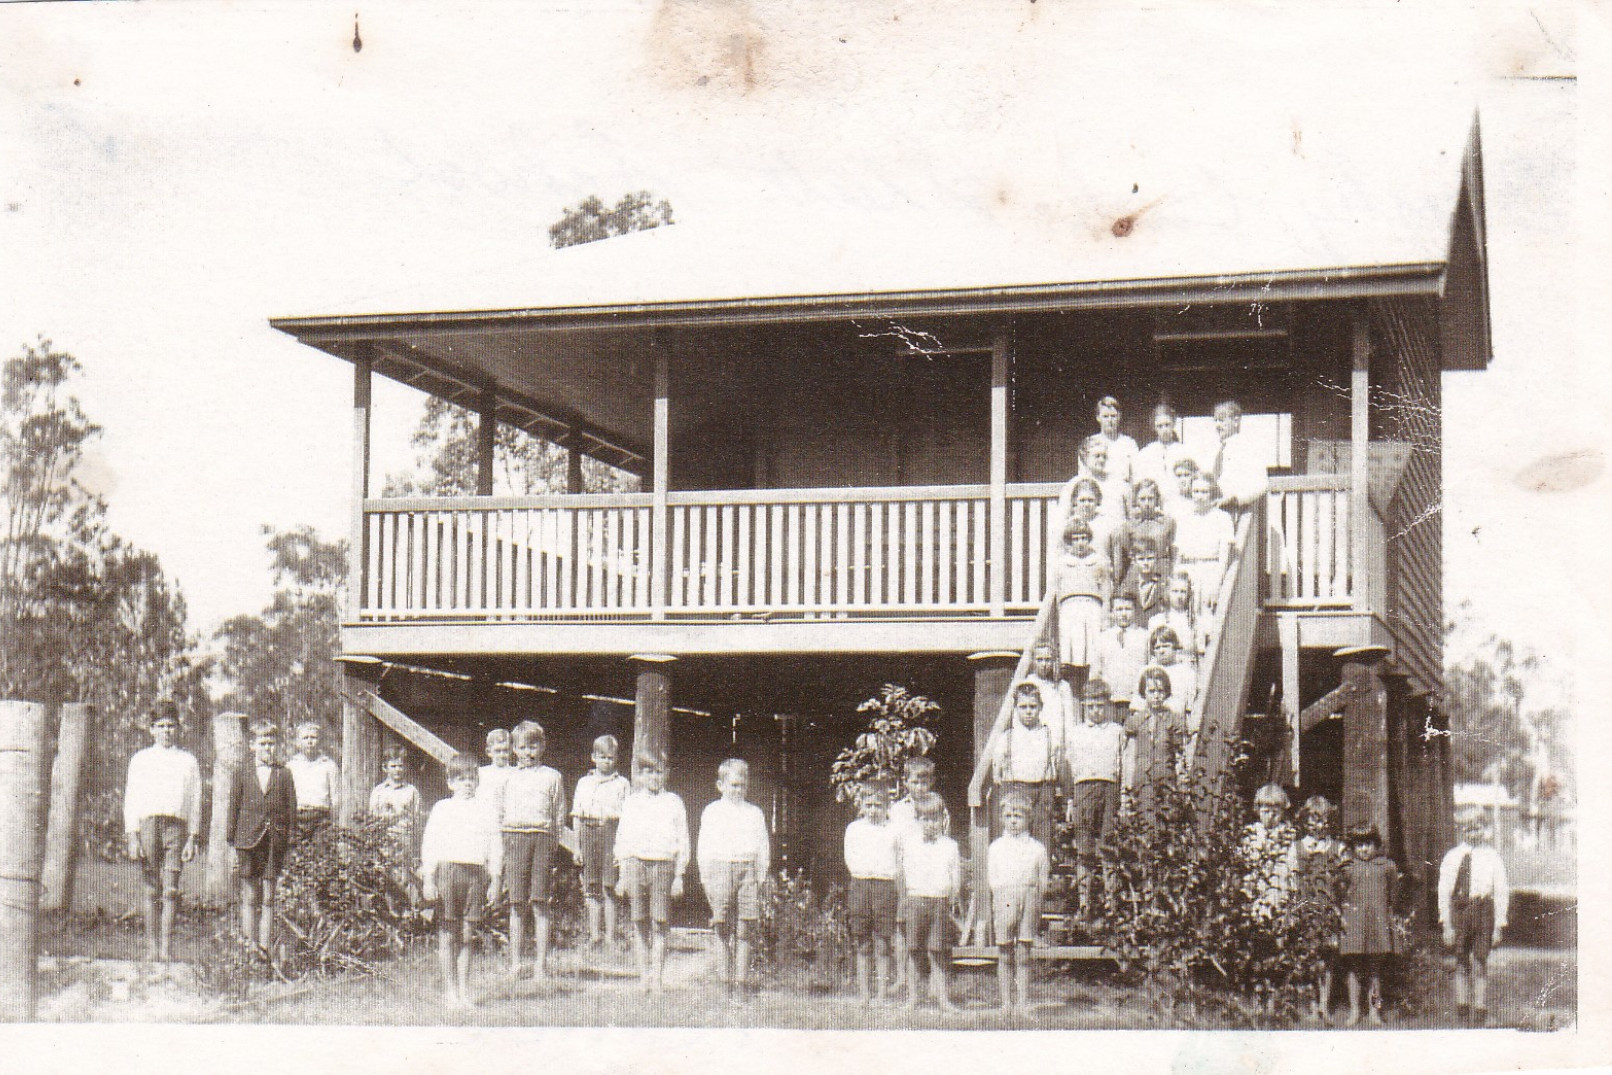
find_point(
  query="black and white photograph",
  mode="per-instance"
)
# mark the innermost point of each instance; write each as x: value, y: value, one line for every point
x: 977, y: 517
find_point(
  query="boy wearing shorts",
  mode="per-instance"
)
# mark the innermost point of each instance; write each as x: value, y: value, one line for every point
x: 530, y: 807
x: 870, y: 858
x: 596, y: 811
x: 1096, y: 752
x: 734, y: 854
x: 917, y: 780
x: 930, y: 875
x: 1474, y: 900
x: 318, y: 782
x: 1018, y: 868
x: 461, y: 861
x: 652, y: 853
x: 261, y: 813
x: 161, y: 817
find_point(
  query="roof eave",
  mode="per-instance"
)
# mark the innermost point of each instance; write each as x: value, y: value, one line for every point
x: 1418, y: 278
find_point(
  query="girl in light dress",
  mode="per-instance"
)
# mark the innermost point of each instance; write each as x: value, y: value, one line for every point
x: 1083, y: 584
x: 1203, y: 540
x: 1180, y: 618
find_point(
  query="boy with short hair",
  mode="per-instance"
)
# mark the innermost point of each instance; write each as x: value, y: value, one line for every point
x: 500, y: 763
x: 1122, y: 652
x: 161, y: 817
x: 1146, y: 582
x: 1096, y: 749
x: 317, y: 779
x: 1058, y: 706
x: 1474, y: 900
x: 871, y: 860
x: 398, y: 801
x: 917, y: 781
x: 1029, y: 759
x: 596, y: 811
x: 652, y: 853
x: 734, y: 855
x: 461, y: 861
x: 530, y: 807
x: 260, y: 817
x: 929, y: 875
x: 1018, y: 869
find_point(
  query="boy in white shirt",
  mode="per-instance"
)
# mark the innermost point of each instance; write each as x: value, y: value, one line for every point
x: 1122, y: 652
x: 917, y: 780
x: 1096, y: 753
x: 871, y: 860
x: 530, y: 807
x: 652, y: 852
x: 1474, y: 900
x: 1029, y: 758
x: 500, y: 763
x: 161, y: 817
x: 318, y: 782
x: 930, y: 875
x: 1018, y: 868
x: 596, y: 811
x: 461, y: 861
x: 734, y: 855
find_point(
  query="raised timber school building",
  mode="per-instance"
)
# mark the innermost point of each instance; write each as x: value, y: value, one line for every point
x: 851, y: 434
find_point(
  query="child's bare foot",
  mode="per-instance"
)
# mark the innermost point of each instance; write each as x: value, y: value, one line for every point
x: 1354, y: 1017
x: 946, y: 1006
x: 1374, y: 1017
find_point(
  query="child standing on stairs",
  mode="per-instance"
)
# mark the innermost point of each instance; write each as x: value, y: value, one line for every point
x: 1018, y: 868
x: 1084, y: 584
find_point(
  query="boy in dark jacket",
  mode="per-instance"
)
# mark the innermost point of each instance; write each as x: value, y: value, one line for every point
x: 261, y: 814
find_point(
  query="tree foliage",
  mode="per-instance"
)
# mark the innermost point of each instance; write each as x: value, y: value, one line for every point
x: 590, y: 220
x: 84, y: 616
x: 1500, y: 732
x: 1188, y: 916
x: 899, y: 727
x: 523, y: 465
x: 281, y: 663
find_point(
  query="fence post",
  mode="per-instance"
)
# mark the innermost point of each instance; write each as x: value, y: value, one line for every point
x: 22, y: 823
x: 229, y: 753
x: 61, y: 827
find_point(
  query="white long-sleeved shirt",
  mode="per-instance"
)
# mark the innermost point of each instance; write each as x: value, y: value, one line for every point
x: 734, y: 832
x: 870, y: 850
x: 1121, y: 656
x: 163, y: 782
x: 931, y: 868
x: 654, y: 827
x: 1487, y: 878
x: 531, y: 800
x: 1240, y: 469
x: 1028, y: 755
x: 1096, y: 751
x: 462, y: 830
x: 1017, y: 862
x: 599, y: 797
x: 317, y: 780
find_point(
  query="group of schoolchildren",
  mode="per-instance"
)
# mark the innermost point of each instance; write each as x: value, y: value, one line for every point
x: 1473, y: 898
x: 1147, y: 535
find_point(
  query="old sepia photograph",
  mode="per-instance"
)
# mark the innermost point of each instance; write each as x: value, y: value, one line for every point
x: 978, y: 517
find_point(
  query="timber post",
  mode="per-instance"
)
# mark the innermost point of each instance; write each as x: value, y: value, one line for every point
x: 1365, y: 741
x: 23, y: 731
x: 61, y: 828
x: 360, y: 741
x: 993, y: 677
x: 229, y: 754
x: 652, y: 709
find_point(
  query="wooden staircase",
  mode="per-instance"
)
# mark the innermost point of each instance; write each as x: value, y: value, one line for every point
x: 1225, y: 673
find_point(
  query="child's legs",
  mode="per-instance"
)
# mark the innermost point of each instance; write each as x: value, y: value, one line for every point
x: 1004, y: 972
x: 747, y: 904
x: 467, y: 939
x: 250, y: 901
x: 720, y: 881
x: 542, y: 855
x: 1021, y: 971
x: 265, y: 926
x: 448, y: 945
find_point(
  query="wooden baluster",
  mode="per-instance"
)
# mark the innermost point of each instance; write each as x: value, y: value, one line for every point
x: 981, y: 553
x: 775, y: 557
x: 1290, y: 544
x: 877, y: 536
x: 842, y: 555
x: 808, y: 560
x: 1326, y: 571
x: 909, y: 557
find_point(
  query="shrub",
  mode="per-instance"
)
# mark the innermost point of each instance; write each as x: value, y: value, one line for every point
x: 343, y: 902
x: 1183, y: 916
x: 802, y: 938
x: 897, y: 729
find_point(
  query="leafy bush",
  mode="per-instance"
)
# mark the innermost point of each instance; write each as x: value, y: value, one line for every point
x: 898, y: 728
x: 1183, y: 915
x: 343, y: 903
x: 803, y: 939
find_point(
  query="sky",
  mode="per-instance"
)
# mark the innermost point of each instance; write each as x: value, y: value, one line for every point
x: 173, y: 175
